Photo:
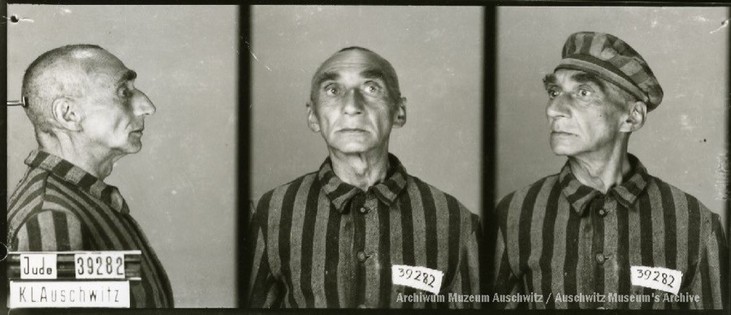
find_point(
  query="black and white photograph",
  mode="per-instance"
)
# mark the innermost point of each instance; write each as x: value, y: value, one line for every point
x: 245, y: 156
x: 121, y: 164
x: 365, y: 143
x: 611, y: 158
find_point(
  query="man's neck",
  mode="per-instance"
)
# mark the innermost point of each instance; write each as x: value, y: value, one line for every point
x: 601, y: 171
x: 360, y: 170
x: 96, y: 162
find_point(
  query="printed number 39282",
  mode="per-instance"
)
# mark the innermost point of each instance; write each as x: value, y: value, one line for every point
x: 417, y: 275
x: 656, y: 276
x: 100, y: 266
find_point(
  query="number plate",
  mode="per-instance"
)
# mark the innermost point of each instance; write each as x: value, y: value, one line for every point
x: 102, y: 265
x: 421, y: 278
x: 657, y: 278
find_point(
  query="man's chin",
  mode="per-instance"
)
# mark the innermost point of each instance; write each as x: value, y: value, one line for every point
x: 353, y: 148
x: 561, y: 150
x: 132, y: 148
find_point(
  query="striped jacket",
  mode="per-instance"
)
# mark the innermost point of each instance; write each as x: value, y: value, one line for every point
x: 60, y: 207
x: 322, y: 243
x: 574, y: 247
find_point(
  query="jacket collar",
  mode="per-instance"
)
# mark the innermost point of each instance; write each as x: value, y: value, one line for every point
x: 340, y: 193
x: 626, y: 193
x: 76, y: 176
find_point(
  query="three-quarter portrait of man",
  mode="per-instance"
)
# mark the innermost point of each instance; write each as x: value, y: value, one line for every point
x: 87, y: 114
x: 603, y: 231
x: 360, y: 232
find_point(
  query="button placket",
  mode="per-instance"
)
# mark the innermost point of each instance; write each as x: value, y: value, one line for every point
x: 597, y: 206
x: 369, y: 203
x: 600, y: 258
x: 367, y: 255
x: 610, y: 204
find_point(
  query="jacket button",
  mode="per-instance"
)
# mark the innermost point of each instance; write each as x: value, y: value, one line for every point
x: 362, y: 256
x: 363, y: 210
x: 600, y: 258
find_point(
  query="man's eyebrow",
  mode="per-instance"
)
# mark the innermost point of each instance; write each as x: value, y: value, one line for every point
x: 373, y: 73
x: 325, y: 76
x: 549, y: 79
x: 128, y: 75
x: 583, y: 77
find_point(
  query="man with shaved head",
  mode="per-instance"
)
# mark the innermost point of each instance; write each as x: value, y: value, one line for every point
x: 603, y: 233
x: 87, y: 114
x: 361, y: 232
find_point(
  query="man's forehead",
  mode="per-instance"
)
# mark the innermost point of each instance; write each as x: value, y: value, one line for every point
x: 112, y: 78
x: 357, y: 60
x: 105, y: 66
x: 337, y: 73
x: 95, y: 56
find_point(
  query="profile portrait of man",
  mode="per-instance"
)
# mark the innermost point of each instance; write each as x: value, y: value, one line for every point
x: 354, y: 232
x: 604, y: 232
x: 87, y: 114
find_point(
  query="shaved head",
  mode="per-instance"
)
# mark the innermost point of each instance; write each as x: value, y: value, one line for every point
x: 380, y: 67
x: 60, y: 72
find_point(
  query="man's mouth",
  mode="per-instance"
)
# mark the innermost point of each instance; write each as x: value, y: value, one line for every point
x: 561, y: 133
x: 354, y: 130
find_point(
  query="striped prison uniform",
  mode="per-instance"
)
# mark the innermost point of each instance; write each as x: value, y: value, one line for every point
x: 560, y: 238
x: 322, y: 243
x: 60, y: 207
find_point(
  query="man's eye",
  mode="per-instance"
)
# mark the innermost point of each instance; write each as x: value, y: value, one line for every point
x: 552, y: 93
x: 332, y: 90
x: 372, y: 89
x: 584, y: 93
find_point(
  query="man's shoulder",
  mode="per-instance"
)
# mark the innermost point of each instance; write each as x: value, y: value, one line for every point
x: 31, y: 193
x: 682, y: 200
x: 435, y: 193
x: 37, y: 194
x: 416, y: 182
x: 519, y: 195
x: 282, y: 189
x: 28, y: 190
x: 39, y: 190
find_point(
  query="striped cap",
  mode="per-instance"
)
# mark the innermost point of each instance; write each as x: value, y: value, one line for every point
x: 613, y: 60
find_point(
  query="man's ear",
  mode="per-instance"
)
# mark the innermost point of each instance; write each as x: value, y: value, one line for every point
x: 636, y: 118
x: 400, y: 113
x: 312, y: 120
x: 66, y: 114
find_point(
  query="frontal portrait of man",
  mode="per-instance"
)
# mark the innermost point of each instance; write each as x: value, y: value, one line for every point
x: 360, y: 231
x: 364, y: 201
x: 605, y: 232
x: 87, y: 114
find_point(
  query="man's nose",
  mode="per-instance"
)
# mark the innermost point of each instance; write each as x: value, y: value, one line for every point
x: 143, y: 105
x: 353, y: 102
x: 558, y: 106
